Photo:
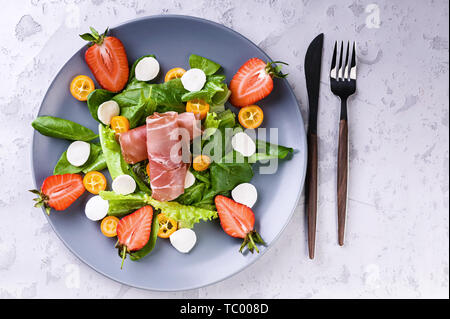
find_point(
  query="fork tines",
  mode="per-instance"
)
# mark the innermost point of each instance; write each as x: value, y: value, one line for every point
x: 342, y: 72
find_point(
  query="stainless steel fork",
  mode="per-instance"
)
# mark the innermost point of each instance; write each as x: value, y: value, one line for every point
x: 343, y: 84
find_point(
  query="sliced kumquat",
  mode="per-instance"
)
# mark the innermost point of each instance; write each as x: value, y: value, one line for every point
x: 94, y: 182
x: 167, y: 226
x: 147, y: 169
x: 109, y: 226
x: 199, y: 107
x: 251, y: 116
x: 120, y: 124
x: 81, y: 86
x: 201, y: 163
x: 174, y: 73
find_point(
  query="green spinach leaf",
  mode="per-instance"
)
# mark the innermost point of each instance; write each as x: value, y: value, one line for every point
x: 135, y: 104
x: 167, y: 96
x: 192, y: 194
x: 226, y: 176
x: 97, y: 97
x: 148, y: 98
x: 62, y: 128
x: 267, y: 151
x: 98, y: 165
x: 199, y: 62
x: 213, y: 93
x: 64, y: 167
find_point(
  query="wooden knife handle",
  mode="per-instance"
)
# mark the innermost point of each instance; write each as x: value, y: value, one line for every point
x: 311, y: 192
x: 342, y: 175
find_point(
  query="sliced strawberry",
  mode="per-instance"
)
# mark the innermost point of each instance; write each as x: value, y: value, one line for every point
x: 253, y: 82
x: 107, y: 60
x: 133, y: 231
x: 238, y: 220
x: 59, y: 191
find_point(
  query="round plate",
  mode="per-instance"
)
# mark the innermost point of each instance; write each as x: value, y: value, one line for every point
x: 216, y: 256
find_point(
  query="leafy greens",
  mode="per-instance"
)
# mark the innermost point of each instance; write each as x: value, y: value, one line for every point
x: 186, y: 216
x: 204, y: 64
x: 95, y: 162
x: 62, y: 128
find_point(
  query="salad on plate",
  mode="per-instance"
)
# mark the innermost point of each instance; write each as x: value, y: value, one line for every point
x: 175, y: 153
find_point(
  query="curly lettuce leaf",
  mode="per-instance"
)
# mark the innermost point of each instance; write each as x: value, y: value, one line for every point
x: 186, y: 215
x: 120, y: 205
x: 111, y: 150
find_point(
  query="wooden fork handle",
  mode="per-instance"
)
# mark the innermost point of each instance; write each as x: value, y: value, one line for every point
x: 311, y: 192
x: 342, y: 175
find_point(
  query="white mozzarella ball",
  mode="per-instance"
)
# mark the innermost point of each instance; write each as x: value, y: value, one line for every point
x: 107, y: 110
x: 96, y: 208
x: 193, y: 80
x: 243, y: 144
x: 124, y: 185
x: 183, y: 240
x: 78, y: 153
x: 189, y: 180
x: 147, y: 69
x: 245, y: 193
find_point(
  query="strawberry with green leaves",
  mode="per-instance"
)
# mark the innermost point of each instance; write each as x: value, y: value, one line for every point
x: 133, y: 231
x: 59, y: 192
x: 107, y: 59
x: 254, y: 81
x: 238, y: 220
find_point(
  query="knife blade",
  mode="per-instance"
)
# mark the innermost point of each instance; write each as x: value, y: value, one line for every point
x: 313, y: 63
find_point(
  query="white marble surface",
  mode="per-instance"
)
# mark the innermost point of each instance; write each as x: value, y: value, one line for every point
x: 398, y: 227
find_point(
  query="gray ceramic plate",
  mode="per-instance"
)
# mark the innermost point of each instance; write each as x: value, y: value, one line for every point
x: 215, y: 257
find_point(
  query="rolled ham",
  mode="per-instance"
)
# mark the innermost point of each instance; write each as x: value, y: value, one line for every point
x: 134, y: 142
x: 164, y: 148
x: 188, y: 122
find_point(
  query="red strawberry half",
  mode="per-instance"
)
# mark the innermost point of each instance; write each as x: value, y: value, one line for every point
x: 59, y: 191
x: 133, y: 231
x: 253, y: 81
x: 238, y: 220
x: 107, y: 60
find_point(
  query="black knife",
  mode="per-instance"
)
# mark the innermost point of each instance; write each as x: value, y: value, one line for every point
x: 313, y: 62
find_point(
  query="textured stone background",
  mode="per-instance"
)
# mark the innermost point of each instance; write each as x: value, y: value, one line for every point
x: 398, y: 224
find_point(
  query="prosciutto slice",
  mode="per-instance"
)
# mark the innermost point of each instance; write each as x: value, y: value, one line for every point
x: 134, y: 142
x: 165, y: 143
x: 188, y: 122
